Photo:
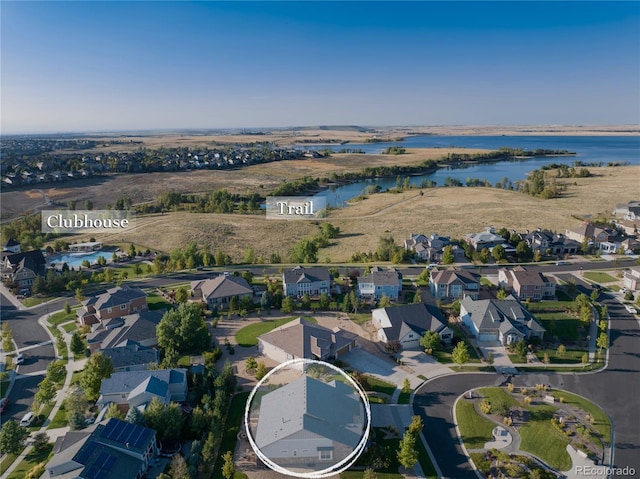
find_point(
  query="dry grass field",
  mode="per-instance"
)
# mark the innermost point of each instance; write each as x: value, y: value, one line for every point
x: 262, y: 178
x: 448, y: 211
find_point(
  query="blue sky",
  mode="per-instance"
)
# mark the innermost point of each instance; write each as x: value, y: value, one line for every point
x: 82, y: 66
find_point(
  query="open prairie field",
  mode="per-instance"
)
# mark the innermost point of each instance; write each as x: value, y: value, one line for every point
x: 261, y: 178
x: 448, y: 211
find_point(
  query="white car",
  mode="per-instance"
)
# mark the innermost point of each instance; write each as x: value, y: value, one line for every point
x: 20, y: 358
x: 631, y: 309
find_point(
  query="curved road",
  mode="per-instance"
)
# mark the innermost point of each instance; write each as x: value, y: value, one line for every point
x: 616, y: 389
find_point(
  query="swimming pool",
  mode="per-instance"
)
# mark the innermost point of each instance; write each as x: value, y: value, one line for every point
x: 74, y: 260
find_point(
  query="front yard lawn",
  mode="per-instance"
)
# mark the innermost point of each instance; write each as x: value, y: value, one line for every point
x: 565, y: 327
x: 599, y: 277
x: 571, y: 356
x: 155, y: 302
x: 232, y: 428
x: 248, y: 336
x: 380, y: 386
x: 30, y: 461
x: 62, y: 317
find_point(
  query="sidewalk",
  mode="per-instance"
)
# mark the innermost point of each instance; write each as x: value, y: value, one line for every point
x: 72, y: 366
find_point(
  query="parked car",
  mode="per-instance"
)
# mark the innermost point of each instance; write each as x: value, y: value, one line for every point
x: 561, y: 263
x: 20, y: 358
x: 27, y: 419
x: 630, y: 308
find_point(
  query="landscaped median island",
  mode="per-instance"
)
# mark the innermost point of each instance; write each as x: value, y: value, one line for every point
x: 516, y: 431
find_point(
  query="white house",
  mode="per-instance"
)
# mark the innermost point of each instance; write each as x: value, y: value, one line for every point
x: 407, y: 324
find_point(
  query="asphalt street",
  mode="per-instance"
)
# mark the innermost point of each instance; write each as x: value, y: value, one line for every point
x: 616, y: 389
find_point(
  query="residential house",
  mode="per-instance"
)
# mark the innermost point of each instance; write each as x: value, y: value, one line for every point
x: 548, y: 242
x: 139, y: 328
x: 301, y: 280
x: 631, y: 279
x: 218, y: 292
x: 301, y: 339
x: 310, y: 423
x: 503, y: 320
x: 527, y: 284
x: 380, y: 282
x: 594, y: 235
x: 113, y: 449
x: 629, y: 211
x: 11, y: 246
x: 115, y: 303
x: 132, y: 357
x: 431, y: 248
x: 486, y: 239
x: 22, y: 267
x: 137, y: 388
x: 407, y: 324
x: 452, y: 284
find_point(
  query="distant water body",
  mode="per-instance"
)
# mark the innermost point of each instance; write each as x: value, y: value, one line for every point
x: 588, y: 149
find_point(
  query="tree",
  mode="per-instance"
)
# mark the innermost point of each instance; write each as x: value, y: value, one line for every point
x: 12, y: 437
x: 7, y: 338
x: 501, y: 294
x: 98, y: 367
x: 406, y: 386
x: 179, y: 468
x: 40, y: 441
x: 384, y: 302
x: 460, y: 354
x: 67, y: 308
x: 417, y: 298
x: 416, y: 425
x: 287, y: 305
x: 57, y: 371
x: 448, y: 257
x: 261, y: 371
x: 369, y: 473
x: 183, y: 330
x: 561, y: 351
x: 113, y: 411
x: 39, y: 285
x: 305, y: 251
x: 523, y: 251
x: 490, y: 358
x: 166, y: 419
x: 77, y: 344
x: 88, y: 205
x: 134, y: 416
x: 228, y: 466
x: 251, y: 363
x: 109, y: 275
x: 430, y: 341
x: 324, y: 301
x: 46, y: 393
x: 521, y: 349
x: 76, y: 421
x: 546, y: 359
x: 182, y: 294
x: 499, y: 253
x: 602, y: 342
x: 209, y: 451
x: 407, y: 453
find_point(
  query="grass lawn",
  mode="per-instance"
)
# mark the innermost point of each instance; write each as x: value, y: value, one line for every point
x: 6, y: 462
x: 155, y: 302
x: 60, y: 419
x: 549, y: 305
x: 388, y: 448
x: 28, y: 302
x: 444, y: 355
x: 571, y: 356
x: 599, y: 277
x: 565, y: 327
x: 232, y: 428
x: 69, y: 327
x: 380, y: 386
x: 425, y: 461
x: 539, y: 437
x: 248, y: 336
x: 62, y: 317
x: 497, y: 395
x: 30, y: 461
x: 360, y: 318
x: 601, y: 421
x: 75, y: 377
x: 474, y: 429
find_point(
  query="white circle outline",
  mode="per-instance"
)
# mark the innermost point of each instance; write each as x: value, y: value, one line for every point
x: 341, y: 466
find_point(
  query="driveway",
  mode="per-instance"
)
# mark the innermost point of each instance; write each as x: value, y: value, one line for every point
x: 375, y: 366
x: 501, y: 361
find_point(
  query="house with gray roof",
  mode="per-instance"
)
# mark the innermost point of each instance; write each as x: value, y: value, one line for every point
x: 452, y: 284
x: 406, y: 324
x: 131, y: 357
x: 485, y: 239
x: 301, y: 280
x: 379, y: 282
x: 139, y: 328
x: 310, y: 423
x: 503, y: 320
x: 302, y: 339
x: 136, y: 388
x: 112, y: 449
x: 115, y: 302
x: 217, y: 292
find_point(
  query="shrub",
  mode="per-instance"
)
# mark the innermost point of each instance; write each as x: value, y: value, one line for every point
x: 485, y: 406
